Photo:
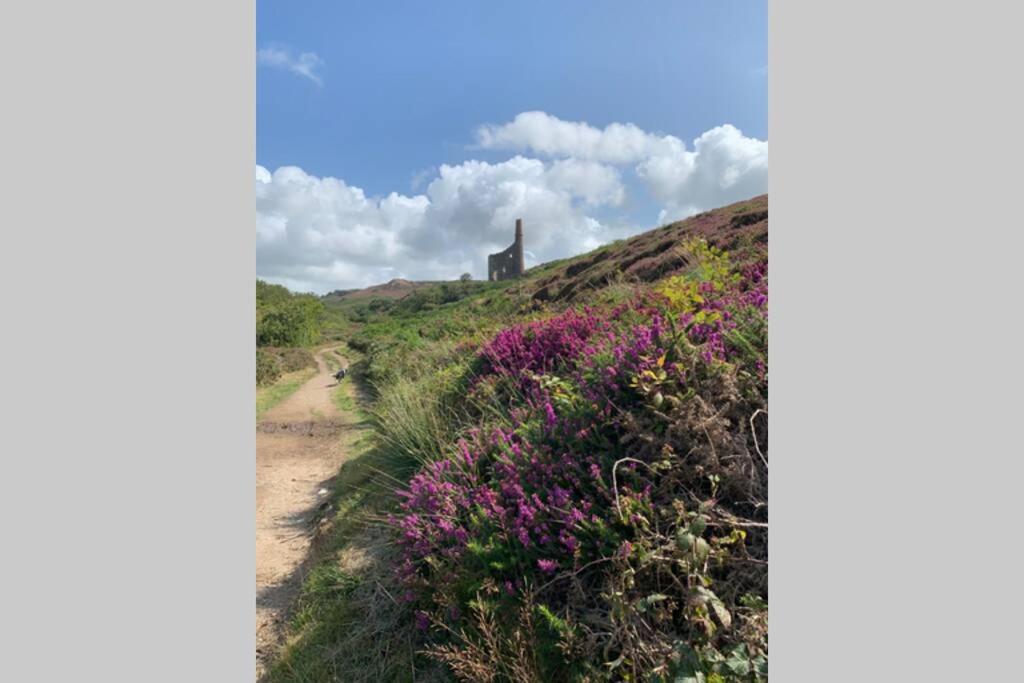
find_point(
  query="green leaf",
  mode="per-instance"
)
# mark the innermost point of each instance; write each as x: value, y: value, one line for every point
x: 688, y: 669
x: 738, y: 661
x: 717, y: 606
x: 645, y: 603
x: 701, y: 549
x: 753, y: 601
x: 689, y: 677
x: 761, y: 665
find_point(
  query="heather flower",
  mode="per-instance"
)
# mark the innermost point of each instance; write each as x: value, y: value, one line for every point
x: 552, y: 419
x: 566, y: 383
x: 547, y: 566
x: 422, y: 620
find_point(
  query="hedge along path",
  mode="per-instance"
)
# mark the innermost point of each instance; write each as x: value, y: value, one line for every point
x: 298, y: 453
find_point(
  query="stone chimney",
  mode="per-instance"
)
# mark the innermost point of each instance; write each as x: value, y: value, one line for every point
x: 520, y: 262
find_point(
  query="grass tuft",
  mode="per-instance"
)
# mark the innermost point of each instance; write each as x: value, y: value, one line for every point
x: 272, y: 395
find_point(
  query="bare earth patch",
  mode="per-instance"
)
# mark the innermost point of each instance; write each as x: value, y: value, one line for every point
x: 298, y: 453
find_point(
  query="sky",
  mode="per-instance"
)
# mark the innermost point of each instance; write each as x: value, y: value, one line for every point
x: 403, y: 139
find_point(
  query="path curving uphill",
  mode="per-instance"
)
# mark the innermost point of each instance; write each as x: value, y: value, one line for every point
x: 298, y: 453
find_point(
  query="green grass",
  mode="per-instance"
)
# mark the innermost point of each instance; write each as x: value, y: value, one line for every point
x: 347, y: 625
x: 343, y: 395
x: 333, y: 357
x: 342, y: 399
x: 270, y: 396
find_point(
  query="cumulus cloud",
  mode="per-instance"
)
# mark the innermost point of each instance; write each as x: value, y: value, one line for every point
x: 724, y: 165
x: 318, y: 234
x: 306, y: 64
x: 549, y: 135
x: 596, y: 183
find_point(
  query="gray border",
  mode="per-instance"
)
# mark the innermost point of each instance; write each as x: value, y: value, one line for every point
x: 128, y: 265
x: 127, y: 269
x: 895, y: 150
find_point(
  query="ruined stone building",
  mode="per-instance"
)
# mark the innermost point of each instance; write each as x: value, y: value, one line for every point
x: 508, y: 264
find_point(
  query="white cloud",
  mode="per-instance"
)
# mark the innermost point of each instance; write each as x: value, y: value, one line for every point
x: 724, y: 166
x: 306, y: 64
x: 320, y: 234
x: 548, y: 135
x: 596, y: 183
x: 422, y: 177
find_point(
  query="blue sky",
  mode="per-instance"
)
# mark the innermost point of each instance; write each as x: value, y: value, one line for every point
x: 390, y: 92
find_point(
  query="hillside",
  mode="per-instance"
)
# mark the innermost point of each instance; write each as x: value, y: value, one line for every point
x: 568, y: 475
x: 641, y: 258
x: 650, y: 255
x: 394, y: 289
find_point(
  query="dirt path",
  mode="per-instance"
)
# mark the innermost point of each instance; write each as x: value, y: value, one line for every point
x: 298, y: 452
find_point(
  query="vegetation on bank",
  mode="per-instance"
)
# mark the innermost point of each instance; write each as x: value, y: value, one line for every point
x: 272, y: 362
x: 287, y: 319
x: 567, y: 478
x: 285, y: 323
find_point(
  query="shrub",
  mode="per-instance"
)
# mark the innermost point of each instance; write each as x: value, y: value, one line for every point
x: 286, y: 319
x: 293, y: 359
x: 605, y: 514
x: 267, y: 367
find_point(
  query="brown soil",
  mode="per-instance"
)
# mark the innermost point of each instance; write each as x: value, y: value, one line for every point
x: 298, y: 453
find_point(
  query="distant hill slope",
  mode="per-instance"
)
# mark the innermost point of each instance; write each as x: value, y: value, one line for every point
x: 644, y: 258
x: 648, y: 256
x: 395, y: 289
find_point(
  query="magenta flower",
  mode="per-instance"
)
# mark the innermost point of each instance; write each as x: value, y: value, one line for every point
x: 422, y: 620
x: 547, y: 566
x: 535, y: 485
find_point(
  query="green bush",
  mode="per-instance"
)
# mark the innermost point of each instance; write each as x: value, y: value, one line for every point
x: 272, y: 362
x: 603, y: 461
x: 286, y: 319
x: 267, y: 368
x: 292, y: 359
